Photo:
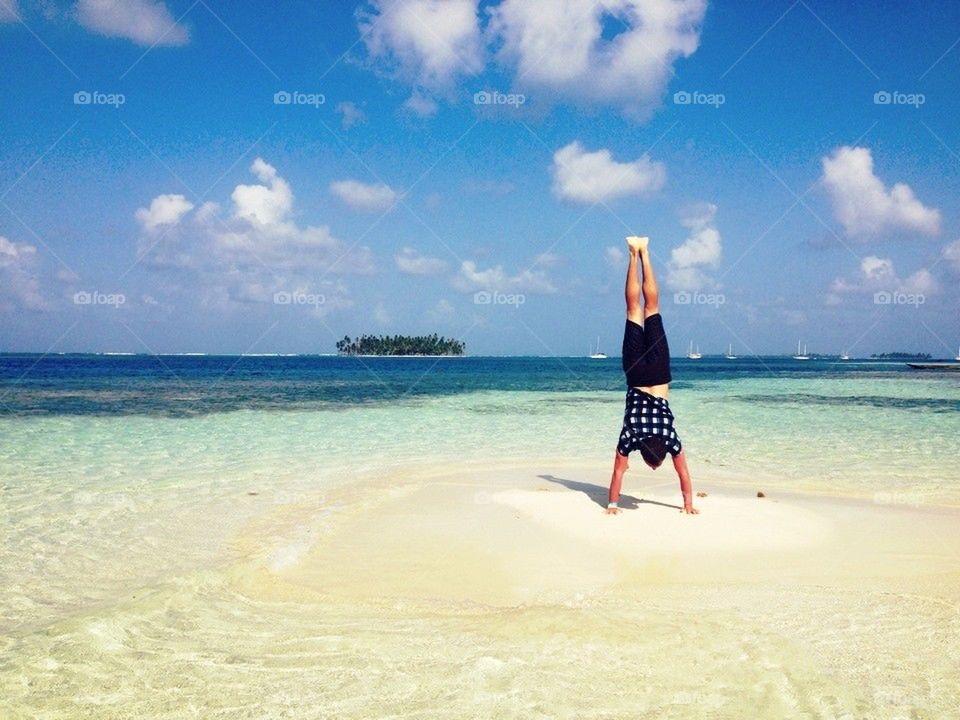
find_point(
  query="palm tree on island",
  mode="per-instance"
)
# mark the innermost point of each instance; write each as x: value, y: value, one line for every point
x: 400, y: 345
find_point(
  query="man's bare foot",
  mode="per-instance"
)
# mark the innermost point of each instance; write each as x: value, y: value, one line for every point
x: 613, y: 511
x: 690, y: 510
x: 637, y: 244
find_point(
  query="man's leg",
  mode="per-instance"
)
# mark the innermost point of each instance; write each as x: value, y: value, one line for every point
x: 632, y: 290
x: 651, y: 293
x: 640, y: 254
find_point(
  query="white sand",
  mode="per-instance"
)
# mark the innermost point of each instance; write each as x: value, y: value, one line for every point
x: 505, y: 592
x: 512, y: 593
x: 510, y: 535
x: 655, y: 527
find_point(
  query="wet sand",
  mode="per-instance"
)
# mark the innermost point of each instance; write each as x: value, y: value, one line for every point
x: 505, y: 591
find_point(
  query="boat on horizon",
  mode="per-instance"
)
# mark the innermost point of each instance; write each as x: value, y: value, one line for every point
x: 596, y: 354
x: 801, y: 355
x: 730, y: 355
x: 844, y: 356
x: 693, y: 355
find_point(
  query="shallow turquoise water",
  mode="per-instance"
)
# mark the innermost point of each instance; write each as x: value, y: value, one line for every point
x: 124, y: 482
x: 73, y: 424
x: 155, y: 460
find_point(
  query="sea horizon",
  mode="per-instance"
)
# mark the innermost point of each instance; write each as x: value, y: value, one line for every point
x: 742, y: 356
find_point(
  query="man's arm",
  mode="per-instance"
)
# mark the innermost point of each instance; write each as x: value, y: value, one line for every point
x: 620, y: 465
x: 680, y: 465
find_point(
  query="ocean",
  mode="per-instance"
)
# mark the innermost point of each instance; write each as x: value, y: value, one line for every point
x: 125, y: 478
x: 851, y: 426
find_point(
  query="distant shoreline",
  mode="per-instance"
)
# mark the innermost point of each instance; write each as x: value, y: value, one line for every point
x: 409, y: 355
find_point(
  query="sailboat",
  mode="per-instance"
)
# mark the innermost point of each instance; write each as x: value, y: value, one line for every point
x: 801, y: 355
x: 693, y: 355
x: 957, y: 358
x: 844, y: 356
x: 596, y: 354
x: 730, y: 355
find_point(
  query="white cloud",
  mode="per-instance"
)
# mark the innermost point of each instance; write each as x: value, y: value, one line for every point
x: 689, y: 261
x: 591, y: 177
x: 253, y: 249
x: 206, y: 212
x: 9, y: 11
x: 877, y: 269
x: 163, y: 210
x: 615, y: 257
x: 876, y: 274
x: 145, y: 22
x: 337, y: 297
x: 951, y: 253
x: 557, y: 47
x: 863, y: 205
x: 350, y: 115
x: 546, y: 260
x: 426, y: 43
x: 442, y: 312
x: 264, y: 205
x: 19, y: 284
x: 409, y: 261
x: 922, y: 281
x: 471, y: 278
x: 376, y: 197
x: 421, y: 105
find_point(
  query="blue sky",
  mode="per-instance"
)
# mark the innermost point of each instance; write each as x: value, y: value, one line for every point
x: 158, y: 195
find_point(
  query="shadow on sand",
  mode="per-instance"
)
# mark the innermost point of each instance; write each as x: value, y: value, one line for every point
x: 598, y: 494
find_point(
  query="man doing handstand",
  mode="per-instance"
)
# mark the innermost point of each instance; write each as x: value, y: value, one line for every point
x: 647, y: 420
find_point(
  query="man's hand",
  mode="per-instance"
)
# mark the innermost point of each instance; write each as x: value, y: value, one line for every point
x: 680, y: 465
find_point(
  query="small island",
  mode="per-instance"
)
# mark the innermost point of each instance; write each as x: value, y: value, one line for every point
x: 900, y: 356
x: 400, y: 345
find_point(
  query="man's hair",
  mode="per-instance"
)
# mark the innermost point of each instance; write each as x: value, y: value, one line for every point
x: 653, y: 450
